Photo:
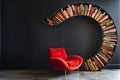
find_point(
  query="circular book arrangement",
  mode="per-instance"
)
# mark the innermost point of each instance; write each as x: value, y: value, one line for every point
x: 104, y: 54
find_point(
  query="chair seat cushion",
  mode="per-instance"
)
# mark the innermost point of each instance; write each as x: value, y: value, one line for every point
x: 72, y: 63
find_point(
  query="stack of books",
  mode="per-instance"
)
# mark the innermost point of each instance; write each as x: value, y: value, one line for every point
x: 107, y: 49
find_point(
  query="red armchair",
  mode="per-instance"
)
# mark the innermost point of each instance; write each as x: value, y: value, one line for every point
x: 60, y: 61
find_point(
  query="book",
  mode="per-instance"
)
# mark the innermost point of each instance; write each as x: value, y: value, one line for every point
x: 108, y: 44
x: 97, y: 13
x: 85, y: 10
x: 106, y: 28
x: 55, y: 21
x: 89, y: 9
x: 110, y: 30
x: 60, y: 16
x: 95, y: 65
x: 110, y: 33
x: 50, y: 22
x: 103, y: 27
x: 99, y: 61
x: 92, y: 11
x: 64, y: 13
x: 110, y: 39
x: 103, y: 19
x: 78, y: 10
x: 81, y: 7
x: 106, y: 57
x: 107, y: 51
x: 105, y: 60
x: 106, y: 54
x: 69, y: 11
x: 101, y: 15
x: 58, y: 19
x: 98, y: 16
x: 86, y: 66
x: 109, y: 23
x: 102, y: 54
x: 89, y: 64
x: 74, y: 8
x: 93, y: 15
x: 102, y: 60
x: 111, y: 36
x: 107, y: 48
x: 105, y: 22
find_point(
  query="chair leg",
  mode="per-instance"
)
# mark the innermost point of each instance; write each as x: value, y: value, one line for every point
x: 78, y: 72
x: 65, y: 73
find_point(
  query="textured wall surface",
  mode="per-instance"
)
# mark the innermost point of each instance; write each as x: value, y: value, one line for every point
x: 25, y: 39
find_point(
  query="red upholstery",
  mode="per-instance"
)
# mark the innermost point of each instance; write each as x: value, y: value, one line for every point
x: 57, y: 52
x: 59, y: 59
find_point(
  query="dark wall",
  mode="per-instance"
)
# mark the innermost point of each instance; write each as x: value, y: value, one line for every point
x: 25, y: 39
x: 0, y: 34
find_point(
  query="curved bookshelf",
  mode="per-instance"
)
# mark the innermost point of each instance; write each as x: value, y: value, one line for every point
x: 107, y: 49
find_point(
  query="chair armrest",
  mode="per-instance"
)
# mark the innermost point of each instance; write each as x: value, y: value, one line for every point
x: 59, y: 63
x: 75, y: 57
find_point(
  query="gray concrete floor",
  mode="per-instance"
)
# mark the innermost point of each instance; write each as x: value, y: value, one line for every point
x: 105, y: 74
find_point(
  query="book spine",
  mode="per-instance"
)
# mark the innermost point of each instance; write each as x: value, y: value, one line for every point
x: 110, y: 30
x: 78, y: 9
x: 103, y: 19
x: 82, y: 9
x: 109, y: 45
x: 74, y: 10
x: 87, y: 68
x: 89, y: 9
x: 106, y: 54
x: 50, y: 22
x: 101, y: 16
x: 104, y: 59
x: 89, y: 65
x: 99, y: 61
x: 66, y: 14
x: 92, y: 11
x: 58, y: 19
x: 109, y: 23
x: 106, y: 51
x: 105, y: 22
x: 94, y: 63
x: 86, y: 10
x: 68, y: 11
x: 98, y: 14
x: 59, y: 15
x: 96, y: 10
x: 106, y: 28
x: 110, y: 33
x: 63, y: 13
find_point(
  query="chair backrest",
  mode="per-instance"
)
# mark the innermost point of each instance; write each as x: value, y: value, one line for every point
x: 57, y: 52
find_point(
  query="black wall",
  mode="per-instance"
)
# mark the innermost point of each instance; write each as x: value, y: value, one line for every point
x: 0, y: 34
x: 25, y: 39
